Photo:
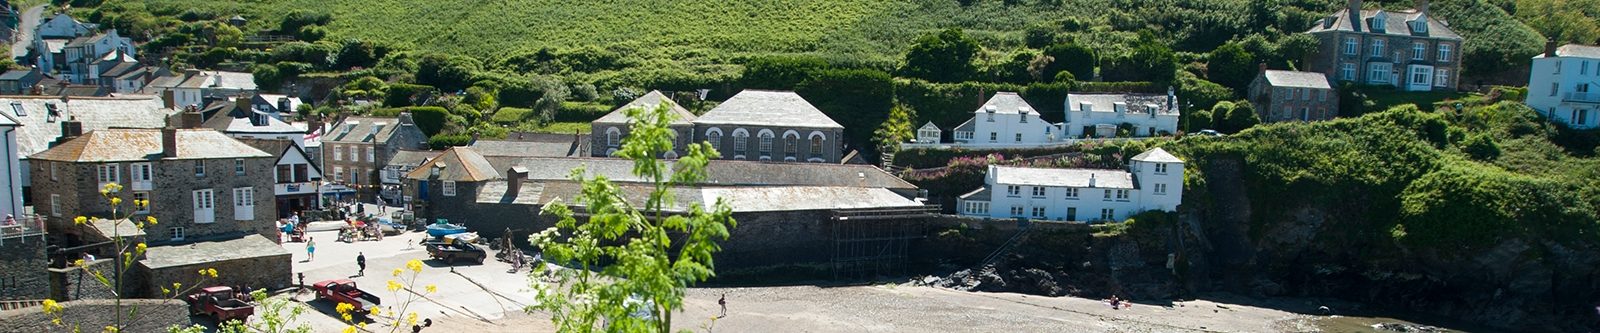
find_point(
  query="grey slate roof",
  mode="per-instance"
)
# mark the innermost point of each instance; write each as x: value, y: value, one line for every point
x: 783, y: 198
x: 1137, y: 103
x: 1006, y: 103
x: 1569, y: 50
x: 1157, y: 155
x: 718, y: 172
x: 140, y: 144
x: 360, y: 129
x: 461, y: 164
x: 767, y: 108
x: 928, y: 127
x: 980, y: 194
x: 250, y: 246
x: 650, y: 100
x: 967, y: 126
x: 412, y: 157
x: 1082, y: 178
x: 96, y: 113
x: 1394, y: 25
x: 569, y: 148
x: 1293, y: 79
x: 243, y: 125
x: 15, y: 74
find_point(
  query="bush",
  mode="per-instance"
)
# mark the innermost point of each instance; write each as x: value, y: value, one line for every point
x: 441, y: 142
x: 1070, y: 58
x: 1232, y: 67
x: 942, y: 57
x: 429, y: 119
x: 580, y: 112
x: 298, y: 19
x: 449, y: 73
x: 858, y: 99
x: 1481, y: 147
x: 780, y: 72
x: 402, y: 94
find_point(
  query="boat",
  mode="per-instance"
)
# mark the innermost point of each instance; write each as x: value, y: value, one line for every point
x: 465, y: 237
x: 442, y: 229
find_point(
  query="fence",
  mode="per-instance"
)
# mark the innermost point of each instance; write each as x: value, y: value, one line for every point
x: 1036, y: 145
x: 22, y: 227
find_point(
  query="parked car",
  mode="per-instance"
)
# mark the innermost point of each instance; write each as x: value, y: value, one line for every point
x: 1207, y: 132
x: 220, y: 303
x: 455, y: 251
x: 345, y: 291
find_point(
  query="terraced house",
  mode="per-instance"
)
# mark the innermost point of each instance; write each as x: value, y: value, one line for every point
x: 1407, y: 49
x: 357, y: 148
x: 1153, y: 181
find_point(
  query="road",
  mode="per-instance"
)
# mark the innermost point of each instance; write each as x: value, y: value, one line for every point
x: 24, y: 35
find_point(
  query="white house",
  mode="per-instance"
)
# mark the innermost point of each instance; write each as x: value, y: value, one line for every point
x: 295, y: 181
x: 1006, y: 119
x: 1153, y: 181
x: 1564, y: 85
x: 11, y: 189
x: 62, y: 26
x: 1099, y: 114
x: 929, y: 133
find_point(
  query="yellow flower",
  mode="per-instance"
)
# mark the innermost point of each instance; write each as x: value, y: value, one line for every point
x: 414, y: 265
x: 344, y: 308
x: 165, y: 291
x: 432, y: 289
x: 393, y: 286
x: 347, y: 318
x: 397, y: 272
x: 78, y: 263
x: 351, y: 329
x: 177, y: 286
x: 111, y: 329
x: 411, y: 319
x: 80, y: 220
x: 212, y: 272
x: 140, y: 247
x: 151, y: 219
x: 50, y: 306
x: 116, y: 201
x: 362, y: 325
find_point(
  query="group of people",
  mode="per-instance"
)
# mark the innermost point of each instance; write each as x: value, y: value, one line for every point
x: 357, y: 229
x: 1118, y: 303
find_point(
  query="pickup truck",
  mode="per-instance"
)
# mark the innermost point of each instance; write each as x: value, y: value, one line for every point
x: 219, y: 303
x: 345, y: 291
x: 452, y: 252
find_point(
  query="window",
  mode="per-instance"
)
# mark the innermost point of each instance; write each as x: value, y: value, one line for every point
x: 1377, y: 48
x: 1108, y: 214
x: 1019, y: 137
x: 108, y: 173
x: 204, y: 206
x: 52, y: 166
x: 1441, y: 77
x: 199, y: 168
x: 338, y: 174
x: 1038, y: 191
x: 994, y: 136
x: 1347, y: 71
x: 765, y: 140
x: 1038, y: 212
x: 1024, y: 118
x: 1016, y: 211
x: 1161, y: 168
x: 1554, y: 86
x: 141, y: 196
x: 1558, y: 67
x: 1161, y: 189
x: 283, y: 174
x: 1583, y: 68
x: 355, y: 176
x: 1322, y: 95
x: 1072, y: 213
x: 991, y: 117
x: 791, y: 146
x: 1419, y: 26
x: 715, y: 138
x: 1350, y: 46
x: 1378, y: 72
x: 301, y: 175
x: 739, y: 141
x: 371, y: 155
x: 977, y: 207
x: 1108, y: 196
x: 177, y: 233
x: 55, y: 205
x: 449, y: 188
x: 244, y: 204
x: 1419, y: 51
x: 1305, y: 95
x: 1122, y: 195
x: 238, y: 167
x: 1444, y: 52
x: 1072, y: 193
x: 816, y: 146
x: 140, y: 174
x: 16, y: 107
x: 1013, y: 191
x: 1580, y: 117
x: 1419, y: 76
x: 338, y: 155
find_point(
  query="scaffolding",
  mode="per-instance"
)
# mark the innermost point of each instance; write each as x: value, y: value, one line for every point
x: 873, y: 242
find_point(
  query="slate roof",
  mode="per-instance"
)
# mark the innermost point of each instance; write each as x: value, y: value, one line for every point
x: 250, y: 246
x: 783, y: 198
x: 118, y: 144
x: 967, y: 126
x: 462, y: 164
x: 362, y: 131
x: 1102, y: 178
x: 15, y: 74
x: 231, y: 125
x: 529, y: 193
x: 234, y: 80
x: 980, y: 194
x: 412, y: 157
x: 1006, y: 103
x: 1569, y: 50
x: 567, y: 148
x: 1394, y: 25
x: 1293, y: 79
x: 96, y: 113
x: 294, y: 102
x: 767, y: 108
x: 1157, y: 155
x: 1137, y: 103
x: 718, y: 172
x: 650, y: 100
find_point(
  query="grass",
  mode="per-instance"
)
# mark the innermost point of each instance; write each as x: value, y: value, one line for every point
x: 556, y: 127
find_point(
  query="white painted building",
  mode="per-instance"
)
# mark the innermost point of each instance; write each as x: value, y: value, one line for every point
x: 1006, y: 119
x: 1153, y: 181
x: 11, y: 189
x: 1099, y: 114
x: 1564, y: 85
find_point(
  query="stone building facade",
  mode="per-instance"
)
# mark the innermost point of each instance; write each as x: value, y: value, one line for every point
x: 1291, y: 96
x: 753, y: 125
x: 609, y: 130
x: 201, y: 184
x: 1408, y: 49
x: 356, y: 149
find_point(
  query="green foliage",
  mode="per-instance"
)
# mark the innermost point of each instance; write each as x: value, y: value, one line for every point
x: 508, y: 116
x: 1231, y: 66
x: 1481, y: 147
x: 859, y: 99
x: 356, y: 53
x: 1151, y: 60
x: 316, y: 54
x: 1562, y: 21
x: 1240, y: 117
x: 1495, y: 41
x: 298, y: 19
x: 429, y: 119
x: 1467, y: 208
x: 622, y: 253
x: 946, y: 56
x: 1198, y: 94
x: 580, y: 112
x: 780, y: 72
x: 445, y: 141
x: 449, y: 73
x: 1071, y: 58
x: 401, y: 94
x: 895, y: 130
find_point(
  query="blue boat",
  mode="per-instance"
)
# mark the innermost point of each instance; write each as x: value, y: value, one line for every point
x: 441, y: 229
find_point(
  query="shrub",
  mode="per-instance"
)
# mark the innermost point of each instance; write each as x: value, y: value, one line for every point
x: 510, y: 116
x: 429, y: 119
x: 1481, y: 147
x: 945, y: 56
x: 441, y: 142
x: 449, y: 73
x: 402, y: 94
x: 1071, y: 58
x: 780, y: 72
x: 1232, y: 67
x: 298, y: 19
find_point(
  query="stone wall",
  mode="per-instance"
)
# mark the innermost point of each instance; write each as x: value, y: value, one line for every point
x: 22, y: 269
x: 75, y: 283
x: 259, y: 272
x: 92, y: 315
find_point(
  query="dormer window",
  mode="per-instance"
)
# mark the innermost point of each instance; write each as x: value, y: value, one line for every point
x: 1379, y: 21
x: 16, y: 107
x: 1419, y: 26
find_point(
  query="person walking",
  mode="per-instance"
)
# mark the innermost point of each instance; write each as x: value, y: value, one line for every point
x: 311, y: 249
x: 724, y: 303
x: 361, y: 263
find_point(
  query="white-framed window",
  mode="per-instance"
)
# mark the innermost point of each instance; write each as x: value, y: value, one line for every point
x: 52, y: 166
x: 1305, y: 95
x: 1580, y: 117
x: 1419, y: 76
x: 1013, y: 191
x: 1161, y: 168
x: 238, y: 167
x: 1350, y: 46
x: 741, y: 141
x: 140, y: 175
x: 1161, y: 189
x: 141, y: 196
x: 715, y: 138
x: 177, y: 233
x: 1122, y: 195
x: 205, y: 204
x: 1038, y: 191
x: 108, y: 173
x: 1038, y: 212
x: 1016, y: 211
x: 1107, y: 195
x: 244, y: 203
x: 1019, y: 137
x: 1444, y: 52
x: 338, y: 155
x: 338, y: 174
x: 16, y: 107
x: 355, y: 175
x: 1377, y: 47
x: 199, y: 168
x: 1072, y: 193
x: 791, y: 146
x: 1347, y: 71
x: 816, y: 146
x: 977, y: 207
x: 1108, y: 214
x: 994, y: 136
x: 55, y: 205
x: 371, y: 154
x: 1419, y: 51
x: 764, y: 142
x: 990, y: 117
x: 1419, y: 26
x: 1441, y: 77
x: 1378, y: 72
x: 449, y: 188
x: 355, y: 154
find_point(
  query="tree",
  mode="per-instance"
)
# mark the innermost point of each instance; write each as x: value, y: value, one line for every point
x: 1563, y: 21
x: 448, y: 73
x: 1231, y: 66
x: 355, y: 53
x: 1071, y: 58
x: 780, y: 72
x: 942, y: 57
x: 1219, y: 115
x: 1241, y: 117
x: 1039, y: 36
x: 299, y: 19
x: 1151, y: 60
x: 429, y: 119
x: 895, y: 130
x: 633, y: 240
x: 859, y: 99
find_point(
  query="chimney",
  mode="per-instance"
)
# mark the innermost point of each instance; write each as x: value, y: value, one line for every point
x: 168, y: 100
x: 514, y: 178
x: 188, y: 72
x: 169, y: 142
x: 1091, y: 180
x: 1422, y: 7
x: 1550, y: 48
x: 283, y: 105
x: 1261, y: 67
x: 192, y: 117
x: 70, y: 129
x: 1355, y: 15
x: 405, y: 119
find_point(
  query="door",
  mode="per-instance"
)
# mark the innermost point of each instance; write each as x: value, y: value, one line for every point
x: 1421, y: 78
x: 204, y: 206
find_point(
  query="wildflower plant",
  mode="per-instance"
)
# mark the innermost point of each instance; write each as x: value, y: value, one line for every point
x: 404, y: 280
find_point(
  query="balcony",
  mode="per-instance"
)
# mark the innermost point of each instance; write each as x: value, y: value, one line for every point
x: 25, y: 225
x: 1582, y: 97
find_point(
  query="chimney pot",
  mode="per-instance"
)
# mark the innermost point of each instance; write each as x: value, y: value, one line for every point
x: 1262, y: 67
